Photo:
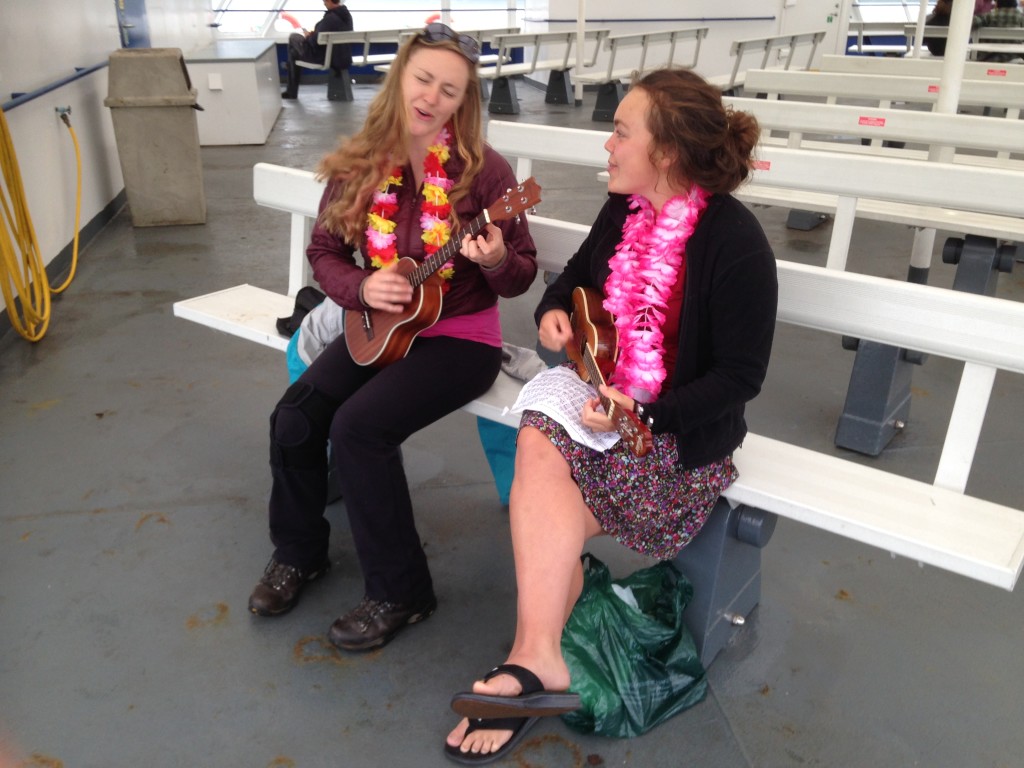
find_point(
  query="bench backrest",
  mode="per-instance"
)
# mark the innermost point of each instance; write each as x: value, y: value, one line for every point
x: 651, y: 44
x: 944, y: 185
x: 555, y: 46
x: 882, y: 88
x: 770, y: 48
x: 911, y: 67
x: 1003, y: 34
x: 929, y: 128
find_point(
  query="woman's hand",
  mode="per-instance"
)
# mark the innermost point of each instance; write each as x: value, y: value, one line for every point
x: 554, y: 331
x: 487, y: 249
x: 594, y: 415
x: 386, y: 290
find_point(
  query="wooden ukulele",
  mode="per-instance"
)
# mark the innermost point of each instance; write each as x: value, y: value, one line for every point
x: 379, y: 338
x: 594, y: 349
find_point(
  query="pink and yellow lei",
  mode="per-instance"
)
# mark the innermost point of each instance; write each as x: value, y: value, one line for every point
x: 434, y: 210
x: 644, y: 268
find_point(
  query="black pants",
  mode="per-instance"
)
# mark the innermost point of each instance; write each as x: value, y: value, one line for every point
x: 298, y: 50
x: 367, y: 414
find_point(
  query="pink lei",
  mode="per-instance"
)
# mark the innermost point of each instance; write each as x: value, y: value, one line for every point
x: 644, y: 270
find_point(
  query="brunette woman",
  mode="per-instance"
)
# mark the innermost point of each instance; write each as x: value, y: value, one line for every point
x: 689, y: 278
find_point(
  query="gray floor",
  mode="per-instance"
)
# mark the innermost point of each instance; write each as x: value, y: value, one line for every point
x: 133, y: 526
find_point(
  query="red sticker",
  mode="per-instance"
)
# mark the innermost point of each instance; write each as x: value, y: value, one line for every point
x: 996, y: 72
x: 762, y: 165
x: 933, y: 89
x: 878, y: 122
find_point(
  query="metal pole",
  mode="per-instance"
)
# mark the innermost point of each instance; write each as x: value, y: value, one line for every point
x: 581, y: 42
x: 922, y: 14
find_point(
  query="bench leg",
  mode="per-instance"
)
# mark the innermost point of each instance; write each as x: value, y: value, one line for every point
x: 979, y: 260
x: 804, y: 220
x: 877, y: 400
x: 723, y: 563
x: 503, y: 97
x: 559, y: 88
x: 339, y: 86
x: 608, y: 97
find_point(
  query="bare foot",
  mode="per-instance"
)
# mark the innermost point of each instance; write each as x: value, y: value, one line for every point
x: 486, y: 741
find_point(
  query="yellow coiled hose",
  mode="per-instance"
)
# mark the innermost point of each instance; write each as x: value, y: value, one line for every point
x: 23, y: 280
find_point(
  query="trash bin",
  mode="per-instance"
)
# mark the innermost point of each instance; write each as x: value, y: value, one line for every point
x: 152, y: 103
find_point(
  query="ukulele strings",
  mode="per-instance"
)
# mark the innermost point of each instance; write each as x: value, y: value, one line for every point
x: 435, y: 261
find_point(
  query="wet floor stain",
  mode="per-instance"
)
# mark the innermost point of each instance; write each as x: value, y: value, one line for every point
x: 315, y: 650
x: 156, y: 517
x: 550, y: 749
x: 37, y: 760
x: 44, y: 405
x: 213, y: 616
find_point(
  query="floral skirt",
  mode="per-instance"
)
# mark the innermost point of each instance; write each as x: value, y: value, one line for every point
x: 651, y: 504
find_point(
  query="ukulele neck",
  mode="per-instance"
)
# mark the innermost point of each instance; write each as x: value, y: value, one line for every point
x: 440, y: 257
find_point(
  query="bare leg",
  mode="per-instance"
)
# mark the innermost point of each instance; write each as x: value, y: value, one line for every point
x: 550, y: 524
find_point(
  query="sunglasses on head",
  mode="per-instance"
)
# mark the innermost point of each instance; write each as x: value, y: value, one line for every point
x: 438, y: 33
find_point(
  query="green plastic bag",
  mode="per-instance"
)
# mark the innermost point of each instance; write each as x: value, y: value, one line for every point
x: 633, y: 667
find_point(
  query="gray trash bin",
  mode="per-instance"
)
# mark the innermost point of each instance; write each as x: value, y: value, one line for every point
x: 152, y: 103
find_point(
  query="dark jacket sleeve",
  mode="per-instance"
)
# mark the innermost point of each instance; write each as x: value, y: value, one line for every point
x: 338, y: 20
x: 333, y: 261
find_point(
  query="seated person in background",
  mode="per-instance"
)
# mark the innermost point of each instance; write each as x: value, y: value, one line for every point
x: 303, y: 46
x: 1005, y: 14
x: 939, y: 17
x: 983, y: 6
x: 689, y: 277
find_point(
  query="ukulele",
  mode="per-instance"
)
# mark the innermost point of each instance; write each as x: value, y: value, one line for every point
x: 379, y: 338
x: 594, y: 349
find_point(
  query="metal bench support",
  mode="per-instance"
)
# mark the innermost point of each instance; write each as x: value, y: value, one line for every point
x: 503, y: 97
x: 339, y: 86
x: 723, y: 563
x: 608, y: 97
x: 559, y: 89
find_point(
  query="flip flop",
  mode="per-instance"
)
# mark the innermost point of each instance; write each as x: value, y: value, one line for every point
x: 518, y: 725
x: 534, y: 701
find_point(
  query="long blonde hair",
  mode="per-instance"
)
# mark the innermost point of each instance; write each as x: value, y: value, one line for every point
x: 362, y: 161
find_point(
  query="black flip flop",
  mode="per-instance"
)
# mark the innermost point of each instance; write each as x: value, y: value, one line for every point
x: 518, y: 725
x: 534, y: 701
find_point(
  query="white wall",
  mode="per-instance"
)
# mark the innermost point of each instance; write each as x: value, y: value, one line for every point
x: 85, y: 36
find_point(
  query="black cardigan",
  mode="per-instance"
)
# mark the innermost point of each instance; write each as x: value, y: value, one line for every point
x: 726, y: 325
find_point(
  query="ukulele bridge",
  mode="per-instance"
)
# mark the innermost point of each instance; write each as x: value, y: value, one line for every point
x: 367, y: 324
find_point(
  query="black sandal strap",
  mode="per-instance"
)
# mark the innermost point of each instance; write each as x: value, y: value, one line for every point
x: 528, y: 681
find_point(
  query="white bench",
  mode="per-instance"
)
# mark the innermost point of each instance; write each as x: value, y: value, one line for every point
x: 652, y: 50
x: 956, y: 197
x: 982, y: 39
x: 933, y: 523
x: 772, y: 49
x: 360, y: 42
x: 909, y: 66
x: 863, y: 31
x: 882, y: 90
x: 554, y: 52
x: 833, y: 125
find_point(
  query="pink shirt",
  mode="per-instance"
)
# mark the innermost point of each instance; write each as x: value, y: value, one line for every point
x: 483, y: 326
